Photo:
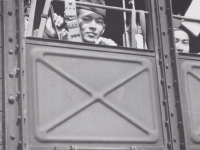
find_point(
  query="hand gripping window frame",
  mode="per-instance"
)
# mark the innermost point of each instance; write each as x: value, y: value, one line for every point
x: 70, y: 18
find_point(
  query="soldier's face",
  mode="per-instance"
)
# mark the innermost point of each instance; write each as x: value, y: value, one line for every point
x: 181, y: 41
x: 91, y: 25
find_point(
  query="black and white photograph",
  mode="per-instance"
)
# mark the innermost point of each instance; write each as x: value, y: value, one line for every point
x: 99, y: 74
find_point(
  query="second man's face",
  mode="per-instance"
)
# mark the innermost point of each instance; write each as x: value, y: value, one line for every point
x: 91, y: 25
x: 181, y: 41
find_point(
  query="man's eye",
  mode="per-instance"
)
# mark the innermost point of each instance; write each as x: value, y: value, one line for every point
x: 176, y: 40
x: 186, y: 42
x: 86, y: 19
x: 100, y: 22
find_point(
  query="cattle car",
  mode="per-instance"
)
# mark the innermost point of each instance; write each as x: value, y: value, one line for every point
x: 69, y: 95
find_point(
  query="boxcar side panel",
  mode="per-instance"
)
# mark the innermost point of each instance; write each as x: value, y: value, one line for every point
x: 189, y: 68
x: 85, y: 96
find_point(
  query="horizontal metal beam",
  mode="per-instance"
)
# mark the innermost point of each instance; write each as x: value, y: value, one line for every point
x: 103, y: 6
x: 186, y: 18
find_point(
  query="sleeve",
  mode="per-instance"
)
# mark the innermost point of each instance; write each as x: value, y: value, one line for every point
x: 45, y: 35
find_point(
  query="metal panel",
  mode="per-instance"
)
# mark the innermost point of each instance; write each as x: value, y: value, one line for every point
x: 190, y: 87
x: 78, y: 96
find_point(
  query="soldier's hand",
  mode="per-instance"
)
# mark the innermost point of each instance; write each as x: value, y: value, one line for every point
x: 105, y: 41
x: 57, y: 20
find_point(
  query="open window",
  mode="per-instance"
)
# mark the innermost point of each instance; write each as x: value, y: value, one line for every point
x: 189, y: 22
x: 124, y: 26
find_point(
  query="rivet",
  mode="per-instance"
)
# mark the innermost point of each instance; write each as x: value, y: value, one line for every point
x: 174, y: 139
x: 17, y: 47
x: 169, y: 144
x: 11, y: 99
x: 169, y: 86
x: 166, y: 55
x: 10, y: 39
x: 10, y: 51
x: 11, y: 74
x: 12, y: 137
x: 17, y: 70
x: 179, y: 124
x: 18, y: 93
x: 164, y: 102
x: 175, y: 81
x: 172, y: 114
x: 160, y: 61
x: 170, y: 29
x: 162, y: 81
x: 167, y: 66
x: 161, y: 7
x: 166, y: 123
x: 19, y: 118
x: 182, y: 144
x: 168, y: 9
x: 163, y: 32
x: 20, y: 142
x: 10, y: 13
x: 177, y: 104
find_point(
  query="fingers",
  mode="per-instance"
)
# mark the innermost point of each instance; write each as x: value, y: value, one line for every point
x: 98, y: 40
x: 105, y: 41
x: 58, y: 20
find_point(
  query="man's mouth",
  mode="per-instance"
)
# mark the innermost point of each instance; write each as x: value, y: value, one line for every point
x: 91, y: 34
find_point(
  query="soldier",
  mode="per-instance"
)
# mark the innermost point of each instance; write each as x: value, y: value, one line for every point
x: 181, y: 37
x: 91, y: 23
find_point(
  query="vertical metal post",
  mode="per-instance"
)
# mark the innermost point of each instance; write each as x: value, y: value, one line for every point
x: 167, y: 60
x: 1, y: 38
x: 11, y: 46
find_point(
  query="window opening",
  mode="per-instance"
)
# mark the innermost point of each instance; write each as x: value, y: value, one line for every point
x: 119, y: 29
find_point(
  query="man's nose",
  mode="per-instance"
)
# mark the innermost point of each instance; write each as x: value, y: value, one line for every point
x: 93, y: 25
x: 179, y: 47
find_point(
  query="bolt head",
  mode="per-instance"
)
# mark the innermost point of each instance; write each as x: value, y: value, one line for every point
x: 10, y: 39
x: 10, y: 51
x: 11, y: 74
x: 12, y: 137
x: 11, y: 99
x: 10, y: 13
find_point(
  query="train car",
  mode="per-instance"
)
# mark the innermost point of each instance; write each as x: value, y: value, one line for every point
x: 71, y: 95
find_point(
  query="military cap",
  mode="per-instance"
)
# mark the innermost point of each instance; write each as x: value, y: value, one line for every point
x: 100, y: 11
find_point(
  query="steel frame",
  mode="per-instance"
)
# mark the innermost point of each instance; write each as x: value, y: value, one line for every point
x: 170, y: 82
x: 12, y: 30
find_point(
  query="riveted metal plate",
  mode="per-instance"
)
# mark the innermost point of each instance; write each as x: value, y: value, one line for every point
x: 85, y: 95
x: 189, y: 72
